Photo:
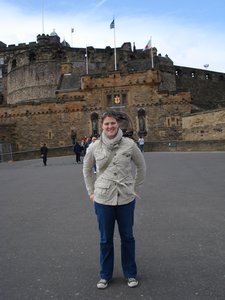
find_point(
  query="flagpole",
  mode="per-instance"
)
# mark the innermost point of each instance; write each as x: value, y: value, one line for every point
x: 112, y: 26
x: 115, y: 48
x: 43, y: 26
x: 86, y: 58
x: 152, y: 55
x: 72, y: 31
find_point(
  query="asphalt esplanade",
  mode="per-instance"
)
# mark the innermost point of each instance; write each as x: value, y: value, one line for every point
x: 49, y: 236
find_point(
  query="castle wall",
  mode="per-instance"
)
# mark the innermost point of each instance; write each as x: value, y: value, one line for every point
x: 51, y: 123
x: 71, y: 111
x: 204, y: 126
x: 168, y: 80
x: 34, y: 70
x: 1, y: 80
x: 45, y: 95
x: 33, y: 82
x: 8, y: 132
x: 206, y: 87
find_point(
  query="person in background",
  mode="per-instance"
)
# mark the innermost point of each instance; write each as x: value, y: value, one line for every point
x: 113, y: 193
x: 78, y: 148
x: 44, y: 153
x: 141, y: 143
x: 94, y: 138
x: 85, y: 143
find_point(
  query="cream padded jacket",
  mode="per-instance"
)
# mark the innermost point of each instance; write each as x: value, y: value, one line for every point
x: 120, y: 182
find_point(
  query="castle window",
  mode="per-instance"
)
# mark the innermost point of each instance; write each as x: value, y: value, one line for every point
x: 14, y: 63
x: 109, y: 100
x: 50, y: 134
x: 206, y: 76
x: 177, y: 73
x: 168, y: 122
x: 173, y: 121
x: 192, y: 74
x: 124, y: 98
x: 32, y: 56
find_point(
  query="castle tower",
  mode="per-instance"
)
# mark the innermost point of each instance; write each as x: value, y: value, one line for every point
x: 34, y: 70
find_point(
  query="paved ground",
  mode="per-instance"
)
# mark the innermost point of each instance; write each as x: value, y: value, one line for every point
x: 49, y: 238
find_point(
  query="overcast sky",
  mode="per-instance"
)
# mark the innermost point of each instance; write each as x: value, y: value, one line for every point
x: 191, y: 33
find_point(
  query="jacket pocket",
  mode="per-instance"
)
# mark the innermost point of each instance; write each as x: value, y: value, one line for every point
x: 127, y: 188
x: 99, y: 155
x: 100, y: 159
x: 102, y: 187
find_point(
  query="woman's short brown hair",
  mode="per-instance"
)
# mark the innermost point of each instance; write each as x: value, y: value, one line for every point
x: 109, y: 113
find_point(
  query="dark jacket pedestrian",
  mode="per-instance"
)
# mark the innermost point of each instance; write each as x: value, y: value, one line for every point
x: 44, y: 154
x: 78, y: 150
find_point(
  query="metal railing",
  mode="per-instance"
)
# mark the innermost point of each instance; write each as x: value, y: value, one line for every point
x: 5, y: 152
x: 10, y: 155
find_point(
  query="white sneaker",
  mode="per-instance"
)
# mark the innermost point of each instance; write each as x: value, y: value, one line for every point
x: 102, y: 284
x: 132, y: 282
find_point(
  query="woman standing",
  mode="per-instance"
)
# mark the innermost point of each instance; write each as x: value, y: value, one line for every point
x: 113, y: 194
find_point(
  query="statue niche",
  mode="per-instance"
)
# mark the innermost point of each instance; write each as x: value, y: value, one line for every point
x: 141, y: 122
x: 73, y: 135
x: 94, y: 123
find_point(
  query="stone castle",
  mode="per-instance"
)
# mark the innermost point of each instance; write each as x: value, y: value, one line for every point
x: 53, y: 93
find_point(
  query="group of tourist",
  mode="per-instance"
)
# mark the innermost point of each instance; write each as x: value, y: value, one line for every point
x: 80, y: 149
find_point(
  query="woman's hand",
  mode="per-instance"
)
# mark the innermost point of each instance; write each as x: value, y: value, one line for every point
x: 92, y: 197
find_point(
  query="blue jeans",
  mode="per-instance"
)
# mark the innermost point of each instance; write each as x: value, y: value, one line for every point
x: 124, y: 215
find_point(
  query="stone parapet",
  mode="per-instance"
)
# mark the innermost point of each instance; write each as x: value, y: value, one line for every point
x: 204, y: 126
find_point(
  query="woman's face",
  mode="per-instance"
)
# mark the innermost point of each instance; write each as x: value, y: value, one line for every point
x: 110, y: 127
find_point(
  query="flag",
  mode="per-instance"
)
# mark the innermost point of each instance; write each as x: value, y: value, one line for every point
x: 149, y: 45
x: 72, y: 30
x: 112, y: 24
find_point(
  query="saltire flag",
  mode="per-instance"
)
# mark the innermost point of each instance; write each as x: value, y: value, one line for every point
x: 149, y: 45
x: 112, y: 24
